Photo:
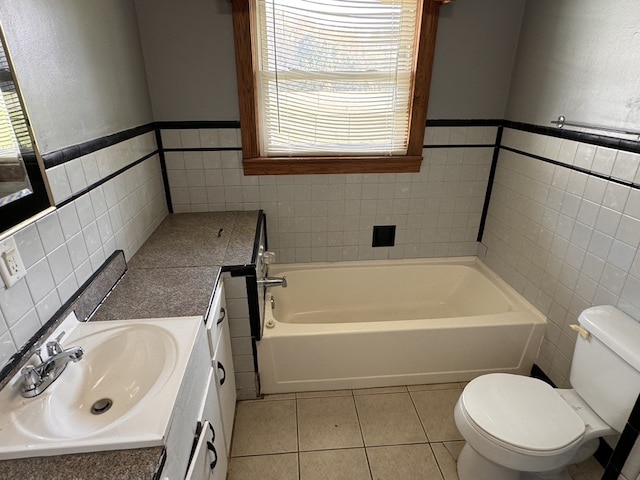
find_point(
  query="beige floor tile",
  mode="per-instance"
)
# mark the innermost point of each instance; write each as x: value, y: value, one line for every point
x: 435, y: 386
x: 389, y: 419
x: 436, y: 413
x: 265, y: 467
x: 325, y: 393
x: 445, y: 461
x: 403, y: 462
x: 350, y: 464
x: 328, y: 423
x: 265, y: 427
x: 279, y: 396
x: 590, y: 469
x: 378, y: 390
x: 454, y: 448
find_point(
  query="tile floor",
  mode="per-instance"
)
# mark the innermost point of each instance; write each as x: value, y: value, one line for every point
x: 395, y: 433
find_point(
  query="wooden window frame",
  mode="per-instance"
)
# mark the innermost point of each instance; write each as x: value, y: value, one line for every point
x: 254, y: 164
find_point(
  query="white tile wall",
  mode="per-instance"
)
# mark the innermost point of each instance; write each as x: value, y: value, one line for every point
x: 565, y: 239
x: 331, y: 217
x: 238, y: 314
x: 63, y: 249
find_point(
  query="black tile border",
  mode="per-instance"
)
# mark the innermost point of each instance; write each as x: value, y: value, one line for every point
x: 66, y: 154
x: 104, y: 180
x: 163, y: 168
x: 490, y: 180
x: 591, y: 138
x: 608, y: 178
x: 72, y: 152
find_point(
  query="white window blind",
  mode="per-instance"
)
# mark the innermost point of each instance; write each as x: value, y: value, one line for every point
x: 335, y: 77
x: 13, y: 128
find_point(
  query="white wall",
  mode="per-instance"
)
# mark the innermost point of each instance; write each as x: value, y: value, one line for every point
x: 578, y: 58
x: 565, y: 238
x: 331, y: 217
x: 190, y: 59
x: 80, y: 68
x: 475, y: 53
x: 189, y: 55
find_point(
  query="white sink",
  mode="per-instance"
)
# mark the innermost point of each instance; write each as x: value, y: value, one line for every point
x: 137, y: 365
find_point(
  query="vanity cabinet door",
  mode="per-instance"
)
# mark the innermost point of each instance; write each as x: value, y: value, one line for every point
x: 206, y: 463
x: 226, y: 382
x: 210, y: 412
x: 217, y: 318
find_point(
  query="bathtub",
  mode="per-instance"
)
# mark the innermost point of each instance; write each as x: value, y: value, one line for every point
x: 384, y: 323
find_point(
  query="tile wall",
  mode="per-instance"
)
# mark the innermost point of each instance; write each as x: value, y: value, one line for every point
x: 331, y: 217
x: 565, y: 235
x: 239, y: 328
x: 104, y: 203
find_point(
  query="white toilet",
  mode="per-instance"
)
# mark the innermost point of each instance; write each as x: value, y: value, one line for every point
x: 518, y: 427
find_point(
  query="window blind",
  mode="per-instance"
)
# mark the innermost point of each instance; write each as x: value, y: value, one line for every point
x: 335, y: 77
x: 13, y: 128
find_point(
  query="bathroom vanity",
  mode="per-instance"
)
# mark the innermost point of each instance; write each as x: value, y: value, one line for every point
x: 177, y: 273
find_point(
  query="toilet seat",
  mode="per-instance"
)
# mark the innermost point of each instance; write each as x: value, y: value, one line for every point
x: 521, y: 414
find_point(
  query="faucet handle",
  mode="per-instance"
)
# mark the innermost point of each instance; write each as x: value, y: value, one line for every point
x: 31, y: 378
x: 54, y: 347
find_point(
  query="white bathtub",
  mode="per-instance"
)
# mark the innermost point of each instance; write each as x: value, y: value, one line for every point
x: 383, y: 323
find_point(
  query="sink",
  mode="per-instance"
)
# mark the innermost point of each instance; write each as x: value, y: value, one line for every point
x: 119, y: 395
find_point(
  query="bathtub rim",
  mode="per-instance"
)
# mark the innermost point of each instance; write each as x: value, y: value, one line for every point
x: 514, y: 298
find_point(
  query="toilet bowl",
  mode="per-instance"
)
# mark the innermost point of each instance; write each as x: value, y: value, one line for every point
x: 520, y: 428
x: 515, y: 424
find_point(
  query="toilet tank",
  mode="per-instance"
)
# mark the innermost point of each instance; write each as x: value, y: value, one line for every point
x: 605, y: 370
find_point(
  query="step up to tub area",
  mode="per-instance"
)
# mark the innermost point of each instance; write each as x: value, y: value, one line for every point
x: 383, y: 323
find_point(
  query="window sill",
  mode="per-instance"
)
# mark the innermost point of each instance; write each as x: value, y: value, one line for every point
x: 330, y: 165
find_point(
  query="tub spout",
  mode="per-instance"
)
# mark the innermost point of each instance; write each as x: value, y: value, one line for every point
x: 273, y: 282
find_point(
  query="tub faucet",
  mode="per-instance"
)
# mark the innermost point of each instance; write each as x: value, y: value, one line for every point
x: 36, y: 379
x: 273, y: 282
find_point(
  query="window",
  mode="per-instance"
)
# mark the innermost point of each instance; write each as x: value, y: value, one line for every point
x: 333, y: 86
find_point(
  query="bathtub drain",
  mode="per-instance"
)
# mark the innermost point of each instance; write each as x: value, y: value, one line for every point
x: 101, y: 406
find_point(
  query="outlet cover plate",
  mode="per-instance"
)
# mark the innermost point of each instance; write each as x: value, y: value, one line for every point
x: 11, y: 264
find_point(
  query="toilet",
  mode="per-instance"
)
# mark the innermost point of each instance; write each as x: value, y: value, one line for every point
x: 520, y: 428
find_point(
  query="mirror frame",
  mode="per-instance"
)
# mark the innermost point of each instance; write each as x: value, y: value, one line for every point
x: 26, y: 207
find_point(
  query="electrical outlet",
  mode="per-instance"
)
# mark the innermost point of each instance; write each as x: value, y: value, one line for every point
x: 11, y: 266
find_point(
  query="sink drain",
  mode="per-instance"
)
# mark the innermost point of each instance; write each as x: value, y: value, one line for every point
x: 101, y: 406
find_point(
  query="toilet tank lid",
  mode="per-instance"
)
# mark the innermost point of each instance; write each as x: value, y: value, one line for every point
x: 616, y: 330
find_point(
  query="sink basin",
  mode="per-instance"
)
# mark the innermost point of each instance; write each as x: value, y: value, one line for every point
x: 119, y: 395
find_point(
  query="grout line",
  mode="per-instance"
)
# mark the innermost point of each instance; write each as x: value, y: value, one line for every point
x: 424, y: 429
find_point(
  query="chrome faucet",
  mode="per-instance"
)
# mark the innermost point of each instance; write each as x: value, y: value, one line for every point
x: 36, y: 379
x: 273, y: 282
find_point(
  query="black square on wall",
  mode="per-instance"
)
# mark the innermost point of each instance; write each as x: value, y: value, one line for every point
x: 384, y: 236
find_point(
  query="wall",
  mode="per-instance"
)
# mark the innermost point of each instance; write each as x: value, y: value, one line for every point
x: 578, y: 58
x: 567, y: 235
x: 189, y: 56
x: 80, y: 67
x: 565, y: 238
x: 475, y: 53
x: 331, y: 217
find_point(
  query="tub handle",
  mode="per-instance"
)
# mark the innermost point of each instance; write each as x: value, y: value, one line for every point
x: 583, y: 332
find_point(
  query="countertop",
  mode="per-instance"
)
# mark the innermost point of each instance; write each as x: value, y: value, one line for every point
x: 172, y: 275
x: 175, y: 272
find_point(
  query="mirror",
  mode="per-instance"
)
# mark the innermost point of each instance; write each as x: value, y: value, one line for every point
x: 22, y: 188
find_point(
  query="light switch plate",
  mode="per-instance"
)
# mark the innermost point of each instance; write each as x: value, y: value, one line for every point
x: 11, y: 265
